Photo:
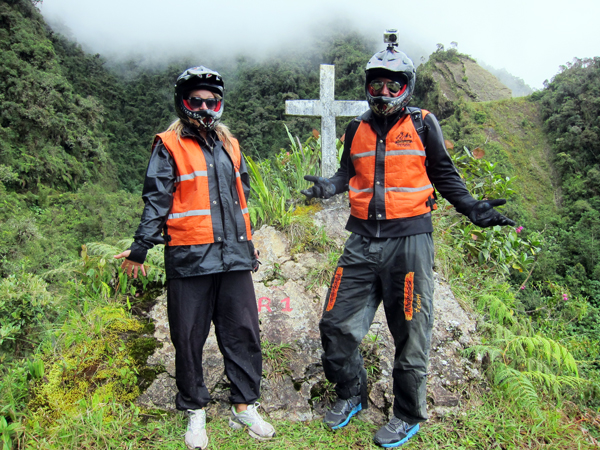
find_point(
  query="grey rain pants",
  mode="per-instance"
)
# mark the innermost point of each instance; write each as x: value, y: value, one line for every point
x: 398, y: 271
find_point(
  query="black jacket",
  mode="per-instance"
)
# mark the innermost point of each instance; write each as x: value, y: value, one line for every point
x: 159, y: 185
x: 439, y: 166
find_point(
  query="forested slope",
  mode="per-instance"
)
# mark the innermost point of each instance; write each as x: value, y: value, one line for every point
x: 49, y: 133
x: 570, y: 106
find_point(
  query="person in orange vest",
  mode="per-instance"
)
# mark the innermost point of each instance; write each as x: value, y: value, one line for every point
x: 195, y: 195
x: 393, y: 155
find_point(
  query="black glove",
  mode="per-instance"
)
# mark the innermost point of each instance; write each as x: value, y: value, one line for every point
x: 484, y: 215
x: 323, y: 188
x: 256, y: 262
x: 254, y: 256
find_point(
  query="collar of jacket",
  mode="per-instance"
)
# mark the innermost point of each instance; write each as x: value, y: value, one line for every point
x: 190, y: 131
x: 382, y: 125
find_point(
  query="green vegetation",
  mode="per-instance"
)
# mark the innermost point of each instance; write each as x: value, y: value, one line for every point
x: 571, y: 112
x: 74, y: 141
x: 48, y: 134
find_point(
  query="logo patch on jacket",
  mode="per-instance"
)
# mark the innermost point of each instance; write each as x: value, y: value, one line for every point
x: 404, y: 139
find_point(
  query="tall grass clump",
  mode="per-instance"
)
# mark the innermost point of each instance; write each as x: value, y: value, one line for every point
x: 276, y: 183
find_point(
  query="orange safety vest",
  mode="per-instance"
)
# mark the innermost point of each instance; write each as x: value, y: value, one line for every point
x: 189, y: 221
x: 407, y: 188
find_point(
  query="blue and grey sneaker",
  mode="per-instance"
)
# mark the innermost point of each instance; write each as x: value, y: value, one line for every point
x: 339, y: 415
x: 395, y: 433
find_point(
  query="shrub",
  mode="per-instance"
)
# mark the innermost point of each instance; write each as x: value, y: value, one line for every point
x: 25, y: 304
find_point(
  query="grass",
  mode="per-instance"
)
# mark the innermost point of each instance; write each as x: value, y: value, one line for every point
x: 276, y: 358
x: 486, y: 422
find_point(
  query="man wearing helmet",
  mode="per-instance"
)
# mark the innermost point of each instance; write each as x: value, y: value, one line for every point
x: 195, y: 195
x: 393, y: 154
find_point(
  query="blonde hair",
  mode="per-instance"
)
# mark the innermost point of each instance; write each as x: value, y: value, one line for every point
x: 222, y: 130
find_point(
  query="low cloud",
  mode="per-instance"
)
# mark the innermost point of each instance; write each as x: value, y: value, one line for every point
x: 530, y: 38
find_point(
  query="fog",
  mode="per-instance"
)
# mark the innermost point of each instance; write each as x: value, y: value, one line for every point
x: 529, y: 38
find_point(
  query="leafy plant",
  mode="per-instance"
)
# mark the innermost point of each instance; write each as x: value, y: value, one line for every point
x: 268, y: 202
x: 7, y: 431
x: 497, y: 249
x: 292, y: 164
x: 481, y: 176
x: 25, y: 304
x: 276, y: 184
x: 99, y: 272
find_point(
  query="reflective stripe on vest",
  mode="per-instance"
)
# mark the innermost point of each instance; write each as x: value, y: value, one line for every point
x: 405, y: 185
x: 190, y: 221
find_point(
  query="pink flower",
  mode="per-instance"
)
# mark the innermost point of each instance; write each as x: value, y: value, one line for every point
x: 523, y: 287
x: 519, y: 229
x: 565, y: 297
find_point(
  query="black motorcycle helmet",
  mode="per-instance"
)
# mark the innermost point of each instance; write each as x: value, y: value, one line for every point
x: 199, y: 78
x: 396, y: 66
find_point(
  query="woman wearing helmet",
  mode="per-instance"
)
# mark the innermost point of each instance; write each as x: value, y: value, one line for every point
x: 195, y: 195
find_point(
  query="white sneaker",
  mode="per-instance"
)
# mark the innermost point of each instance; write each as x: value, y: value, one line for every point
x: 195, y: 436
x: 257, y: 427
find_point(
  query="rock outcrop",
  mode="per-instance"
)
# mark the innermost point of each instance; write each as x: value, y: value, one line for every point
x: 293, y: 384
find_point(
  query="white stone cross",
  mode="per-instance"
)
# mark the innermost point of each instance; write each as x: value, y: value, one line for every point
x: 328, y: 108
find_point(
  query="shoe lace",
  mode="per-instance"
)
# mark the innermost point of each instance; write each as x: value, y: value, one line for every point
x: 396, y: 425
x: 197, y: 420
x: 254, y: 415
x: 340, y: 405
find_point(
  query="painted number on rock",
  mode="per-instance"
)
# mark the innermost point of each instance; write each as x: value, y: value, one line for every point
x: 265, y: 303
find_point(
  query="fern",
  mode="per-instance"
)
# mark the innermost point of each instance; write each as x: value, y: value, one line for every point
x: 522, y: 363
x: 498, y: 310
x: 518, y: 387
x: 540, y: 348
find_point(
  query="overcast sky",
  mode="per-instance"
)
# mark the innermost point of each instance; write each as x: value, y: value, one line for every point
x: 529, y: 38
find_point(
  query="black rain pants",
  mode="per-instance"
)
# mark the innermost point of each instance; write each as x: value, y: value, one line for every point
x: 398, y: 271
x: 228, y: 300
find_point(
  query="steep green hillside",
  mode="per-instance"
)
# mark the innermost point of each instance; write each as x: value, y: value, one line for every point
x: 571, y: 112
x: 510, y: 134
x: 449, y: 76
x: 478, y: 113
x: 48, y: 133
x: 134, y: 107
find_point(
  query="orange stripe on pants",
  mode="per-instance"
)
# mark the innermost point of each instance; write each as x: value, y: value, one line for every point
x: 334, y: 288
x: 409, y: 286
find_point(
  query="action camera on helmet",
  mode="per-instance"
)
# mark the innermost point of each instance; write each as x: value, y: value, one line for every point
x: 390, y: 37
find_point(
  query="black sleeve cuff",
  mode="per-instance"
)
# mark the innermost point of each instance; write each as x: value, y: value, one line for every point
x: 465, y: 205
x: 138, y: 253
